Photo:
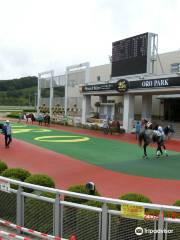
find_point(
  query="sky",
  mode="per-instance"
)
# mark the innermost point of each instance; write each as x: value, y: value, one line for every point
x: 43, y: 35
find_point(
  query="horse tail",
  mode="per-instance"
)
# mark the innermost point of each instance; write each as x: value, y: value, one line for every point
x: 141, y: 138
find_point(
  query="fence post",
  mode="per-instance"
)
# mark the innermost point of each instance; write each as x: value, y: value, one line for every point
x: 19, y: 208
x: 160, y: 225
x: 57, y: 215
x: 104, y: 222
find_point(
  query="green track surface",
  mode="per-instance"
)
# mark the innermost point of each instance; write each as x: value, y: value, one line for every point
x: 110, y: 154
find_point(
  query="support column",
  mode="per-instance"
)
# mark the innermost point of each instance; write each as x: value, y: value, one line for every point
x: 146, y: 107
x: 51, y: 94
x: 38, y: 93
x: 128, y: 112
x: 86, y: 107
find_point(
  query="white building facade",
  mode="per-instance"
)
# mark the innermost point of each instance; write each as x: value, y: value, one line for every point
x: 148, y: 96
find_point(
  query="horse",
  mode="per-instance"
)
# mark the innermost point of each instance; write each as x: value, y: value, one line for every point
x: 47, y: 120
x: 111, y: 126
x: 149, y: 135
x: 31, y: 117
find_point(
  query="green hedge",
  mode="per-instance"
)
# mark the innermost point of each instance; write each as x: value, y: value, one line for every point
x: 79, y: 189
x: 3, y: 166
x: 17, y: 173
x: 40, y: 179
x: 13, y: 115
x: 135, y: 197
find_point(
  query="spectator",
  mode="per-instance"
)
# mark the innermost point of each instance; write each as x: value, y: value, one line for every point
x: 7, y: 133
x: 138, y: 129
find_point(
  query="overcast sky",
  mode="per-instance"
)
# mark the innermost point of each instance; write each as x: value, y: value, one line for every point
x: 40, y: 35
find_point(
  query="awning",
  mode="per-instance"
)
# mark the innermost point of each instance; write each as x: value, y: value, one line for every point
x: 168, y: 96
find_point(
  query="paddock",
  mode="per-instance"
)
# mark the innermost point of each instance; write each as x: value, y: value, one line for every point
x: 114, y: 163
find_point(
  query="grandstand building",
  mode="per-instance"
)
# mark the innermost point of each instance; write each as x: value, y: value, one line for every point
x: 148, y: 96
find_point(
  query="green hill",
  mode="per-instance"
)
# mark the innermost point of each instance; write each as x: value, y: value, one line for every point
x: 18, y: 92
x: 23, y: 91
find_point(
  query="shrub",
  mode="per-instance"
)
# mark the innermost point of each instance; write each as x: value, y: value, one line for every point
x: 135, y: 197
x: 177, y: 203
x: 14, y: 186
x: 79, y: 189
x: 17, y: 173
x: 3, y: 166
x: 13, y: 115
x: 40, y: 179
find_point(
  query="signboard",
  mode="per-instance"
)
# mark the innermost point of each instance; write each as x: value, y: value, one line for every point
x: 129, y: 56
x: 155, y: 83
x: 130, y: 211
x: 98, y: 87
x: 4, y: 186
x: 123, y: 85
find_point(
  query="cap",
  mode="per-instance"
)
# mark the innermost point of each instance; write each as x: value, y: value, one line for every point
x: 7, y: 121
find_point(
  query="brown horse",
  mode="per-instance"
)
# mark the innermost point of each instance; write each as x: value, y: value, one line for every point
x: 30, y: 117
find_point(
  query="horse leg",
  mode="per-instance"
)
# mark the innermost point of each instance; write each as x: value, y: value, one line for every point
x: 165, y: 150
x: 159, y: 151
x: 145, y: 153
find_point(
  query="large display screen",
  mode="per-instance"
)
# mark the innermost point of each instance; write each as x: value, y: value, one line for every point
x: 129, y: 56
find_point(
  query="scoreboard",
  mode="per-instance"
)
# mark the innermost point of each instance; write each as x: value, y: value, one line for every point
x: 129, y: 56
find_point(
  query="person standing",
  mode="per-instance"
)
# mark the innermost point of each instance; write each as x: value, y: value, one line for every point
x: 138, y: 129
x: 7, y: 133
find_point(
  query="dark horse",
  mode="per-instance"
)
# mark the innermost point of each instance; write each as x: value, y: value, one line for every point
x: 31, y: 117
x: 47, y: 120
x: 150, y: 136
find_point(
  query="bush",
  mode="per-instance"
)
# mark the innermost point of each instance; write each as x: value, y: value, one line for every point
x: 14, y: 186
x: 177, y: 203
x: 79, y: 189
x: 29, y: 110
x: 40, y: 179
x: 17, y: 173
x: 3, y: 166
x: 13, y: 115
x: 135, y: 197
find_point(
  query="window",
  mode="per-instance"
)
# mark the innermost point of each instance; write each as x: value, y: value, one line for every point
x: 175, y: 67
x: 98, y: 78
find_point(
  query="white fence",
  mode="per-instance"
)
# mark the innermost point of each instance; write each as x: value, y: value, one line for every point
x: 54, y: 213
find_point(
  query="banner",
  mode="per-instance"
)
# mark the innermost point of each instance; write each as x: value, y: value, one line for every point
x: 130, y: 211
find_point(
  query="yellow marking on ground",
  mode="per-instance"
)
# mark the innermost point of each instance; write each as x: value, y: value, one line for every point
x: 48, y: 139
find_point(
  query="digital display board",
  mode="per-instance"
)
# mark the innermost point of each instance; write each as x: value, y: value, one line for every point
x: 129, y: 56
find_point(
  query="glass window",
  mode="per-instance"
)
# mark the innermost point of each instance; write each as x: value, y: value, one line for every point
x: 175, y: 67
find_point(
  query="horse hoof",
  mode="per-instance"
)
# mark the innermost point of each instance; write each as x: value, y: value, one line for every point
x: 145, y: 157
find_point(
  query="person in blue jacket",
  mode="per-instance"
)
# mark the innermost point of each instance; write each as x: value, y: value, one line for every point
x: 7, y: 131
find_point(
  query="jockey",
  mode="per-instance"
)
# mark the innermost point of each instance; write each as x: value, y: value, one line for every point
x: 159, y: 132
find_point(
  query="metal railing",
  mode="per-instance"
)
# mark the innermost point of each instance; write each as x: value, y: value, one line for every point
x: 48, y: 211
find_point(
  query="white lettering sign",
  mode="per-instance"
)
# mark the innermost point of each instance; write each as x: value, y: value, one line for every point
x: 4, y: 186
x: 155, y: 83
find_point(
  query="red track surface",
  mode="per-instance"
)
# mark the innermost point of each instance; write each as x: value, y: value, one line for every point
x: 67, y: 171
